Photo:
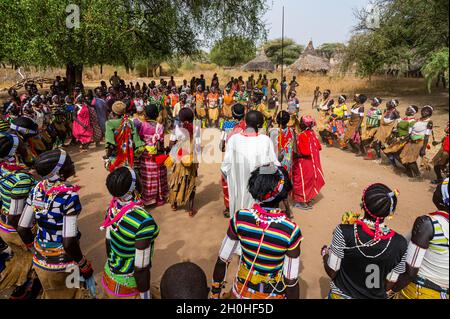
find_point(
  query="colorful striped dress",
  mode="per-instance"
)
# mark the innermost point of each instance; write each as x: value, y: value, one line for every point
x: 264, y: 247
x: 136, y: 225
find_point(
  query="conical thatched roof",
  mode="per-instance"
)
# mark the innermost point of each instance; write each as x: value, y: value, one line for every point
x: 310, y: 61
x: 260, y: 63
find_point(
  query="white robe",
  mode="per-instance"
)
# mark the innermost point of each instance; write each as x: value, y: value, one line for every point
x: 242, y: 156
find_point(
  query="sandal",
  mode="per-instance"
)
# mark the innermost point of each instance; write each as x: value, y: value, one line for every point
x: 192, y: 213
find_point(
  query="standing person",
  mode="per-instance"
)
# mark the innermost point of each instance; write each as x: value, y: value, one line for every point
x: 323, y: 110
x: 352, y: 135
x: 265, y: 86
x: 202, y: 82
x: 418, y: 142
x: 130, y: 235
x: 440, y: 160
x: 270, y: 261
x: 152, y: 172
x: 245, y: 152
x: 122, y: 142
x: 372, y: 124
x: 15, y: 185
x: 339, y: 115
x: 387, y: 125
x: 316, y: 96
x: 242, y: 97
x: 400, y: 135
x: 228, y: 101
x: 213, y: 107
x: 101, y: 109
x: 55, y: 206
x: 115, y: 81
x: 182, y: 183
x: 270, y: 111
x: 284, y: 86
x: 427, y: 262
x: 230, y: 128
x: 200, y: 105
x: 307, y: 173
x: 364, y: 247
x: 82, y: 129
x: 294, y: 110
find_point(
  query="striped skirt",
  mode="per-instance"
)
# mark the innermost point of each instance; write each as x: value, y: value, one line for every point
x: 154, y: 181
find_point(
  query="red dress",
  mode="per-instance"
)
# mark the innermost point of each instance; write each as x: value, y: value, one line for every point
x: 307, y: 175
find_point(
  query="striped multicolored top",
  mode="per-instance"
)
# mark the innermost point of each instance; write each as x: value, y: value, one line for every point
x: 136, y: 225
x: 373, y: 118
x: 4, y: 125
x: 281, y: 236
x: 13, y: 184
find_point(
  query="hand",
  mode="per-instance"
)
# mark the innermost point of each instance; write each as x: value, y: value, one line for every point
x: 324, y: 251
x: 86, y: 268
x: 422, y: 152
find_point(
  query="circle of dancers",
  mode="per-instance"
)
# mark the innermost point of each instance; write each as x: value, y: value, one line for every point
x: 152, y: 138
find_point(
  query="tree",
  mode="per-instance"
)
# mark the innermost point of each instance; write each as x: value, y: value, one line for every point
x: 328, y: 50
x: 232, y: 51
x: 274, y: 50
x: 34, y: 32
x: 437, y: 67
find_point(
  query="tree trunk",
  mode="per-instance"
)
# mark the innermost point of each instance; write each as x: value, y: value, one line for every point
x: 101, y: 69
x: 74, y: 75
x: 127, y: 67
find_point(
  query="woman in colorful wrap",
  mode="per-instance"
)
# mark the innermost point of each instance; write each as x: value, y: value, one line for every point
x: 307, y: 173
x: 184, y: 171
x: 270, y: 242
x: 366, y: 257
x: 25, y: 128
x: 97, y: 135
x: 242, y: 96
x: 294, y: 109
x: 130, y: 235
x: 82, y: 129
x: 152, y: 172
x: 440, y: 160
x: 418, y: 142
x: 54, y: 205
x: 228, y: 101
x: 213, y: 107
x: 400, y: 135
x: 229, y: 128
x: 388, y: 123
x: 15, y: 185
x: 371, y: 126
x: 323, y: 110
x: 427, y: 262
x: 270, y: 110
x: 339, y: 115
x: 122, y: 140
x: 352, y: 134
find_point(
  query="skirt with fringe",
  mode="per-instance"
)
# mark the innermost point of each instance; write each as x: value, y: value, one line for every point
x: 411, y: 152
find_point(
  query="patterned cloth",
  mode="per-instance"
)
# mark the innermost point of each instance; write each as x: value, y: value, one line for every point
x: 49, y: 210
x: 280, y: 237
x: 136, y: 225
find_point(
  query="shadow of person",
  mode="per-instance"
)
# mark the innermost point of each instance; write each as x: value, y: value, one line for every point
x: 302, y: 284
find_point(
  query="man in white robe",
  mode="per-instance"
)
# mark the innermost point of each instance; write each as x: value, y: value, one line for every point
x: 244, y: 153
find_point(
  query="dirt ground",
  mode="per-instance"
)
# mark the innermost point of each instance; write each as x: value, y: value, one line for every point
x: 198, y: 239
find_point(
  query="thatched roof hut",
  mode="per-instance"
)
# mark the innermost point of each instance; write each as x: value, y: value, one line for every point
x: 260, y: 63
x: 310, y: 61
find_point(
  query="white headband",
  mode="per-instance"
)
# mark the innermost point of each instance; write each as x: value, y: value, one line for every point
x: 133, y: 181
x: 22, y: 130
x: 54, y: 175
x: 413, y: 110
x: 12, y: 152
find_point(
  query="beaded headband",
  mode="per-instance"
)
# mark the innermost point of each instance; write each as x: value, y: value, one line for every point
x: 54, y: 175
x: 22, y: 130
x: 15, y: 140
x: 133, y: 181
x: 391, y: 196
x: 341, y: 97
x: 377, y: 100
x: 269, y: 197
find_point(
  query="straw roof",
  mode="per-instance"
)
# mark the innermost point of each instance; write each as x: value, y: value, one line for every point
x: 310, y: 61
x: 260, y: 63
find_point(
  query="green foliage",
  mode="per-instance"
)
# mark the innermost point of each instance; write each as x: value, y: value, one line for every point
x: 435, y: 66
x: 292, y: 51
x: 232, y: 51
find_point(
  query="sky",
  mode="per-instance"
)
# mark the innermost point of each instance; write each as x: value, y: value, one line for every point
x: 320, y: 20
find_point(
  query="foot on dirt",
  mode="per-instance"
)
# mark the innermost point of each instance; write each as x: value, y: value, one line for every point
x: 303, y: 206
x: 226, y: 213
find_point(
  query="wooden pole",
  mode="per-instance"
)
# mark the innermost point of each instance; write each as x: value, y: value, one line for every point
x: 282, y: 59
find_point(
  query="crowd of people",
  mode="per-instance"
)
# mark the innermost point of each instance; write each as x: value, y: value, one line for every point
x: 271, y: 158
